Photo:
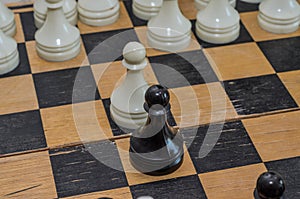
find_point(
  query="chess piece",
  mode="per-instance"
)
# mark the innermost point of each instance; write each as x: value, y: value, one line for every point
x: 218, y: 23
x: 201, y: 4
x: 279, y: 16
x: 9, y: 55
x: 252, y: 1
x: 169, y: 30
x: 57, y: 39
x: 127, y: 100
x: 156, y: 148
x: 145, y: 9
x: 7, y: 21
x: 95, y: 13
x: 269, y: 185
x: 40, y: 12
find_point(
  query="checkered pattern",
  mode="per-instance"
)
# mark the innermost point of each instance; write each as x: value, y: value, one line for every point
x: 252, y: 84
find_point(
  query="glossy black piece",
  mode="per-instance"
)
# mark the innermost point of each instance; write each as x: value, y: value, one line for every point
x: 156, y: 148
x: 269, y: 185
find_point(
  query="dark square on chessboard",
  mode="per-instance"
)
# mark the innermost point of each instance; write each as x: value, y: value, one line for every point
x: 65, y: 87
x: 182, y: 187
x: 283, y: 54
x: 182, y: 69
x: 258, y: 94
x: 107, y: 46
x: 77, y: 171
x: 21, y: 132
x: 230, y: 147
x: 29, y: 28
x: 135, y: 20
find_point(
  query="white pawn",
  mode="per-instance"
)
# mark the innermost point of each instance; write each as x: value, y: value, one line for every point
x: 218, y: 23
x: 7, y: 21
x: 9, y: 55
x: 201, y: 4
x: 98, y: 13
x: 57, y: 39
x: 145, y: 9
x: 252, y: 1
x: 279, y: 16
x: 127, y: 100
x: 169, y: 30
x: 40, y: 12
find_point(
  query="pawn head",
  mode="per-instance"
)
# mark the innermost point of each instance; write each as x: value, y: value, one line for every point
x: 157, y: 94
x: 270, y: 185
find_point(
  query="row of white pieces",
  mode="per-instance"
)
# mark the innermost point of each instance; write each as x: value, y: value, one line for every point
x: 9, y: 55
x: 91, y: 12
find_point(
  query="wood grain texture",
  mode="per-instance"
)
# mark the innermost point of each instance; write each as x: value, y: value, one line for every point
x: 27, y: 176
x: 275, y: 136
x: 108, y: 76
x: 39, y: 65
x: 134, y: 177
x: 19, y: 37
x: 121, y: 193
x: 238, y: 61
x: 249, y: 19
x: 17, y: 94
x: 200, y: 104
x: 236, y: 183
x: 122, y: 23
x: 188, y: 8
x: 292, y: 81
x: 75, y: 123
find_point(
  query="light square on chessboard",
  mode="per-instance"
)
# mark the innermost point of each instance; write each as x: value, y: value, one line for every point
x: 275, y: 136
x: 249, y: 19
x: 201, y: 104
x: 234, y: 183
x: 19, y: 37
x: 75, y: 123
x: 122, y: 23
x: 238, y: 61
x: 134, y: 177
x: 291, y: 81
x: 109, y: 75
x: 120, y: 193
x: 39, y: 65
x: 142, y: 35
x: 188, y: 8
x: 27, y: 176
x: 17, y: 94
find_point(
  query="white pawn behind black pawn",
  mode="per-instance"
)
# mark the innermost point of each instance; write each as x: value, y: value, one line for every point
x: 9, y: 55
x: 40, y: 12
x: 218, y: 23
x: 145, y: 9
x: 156, y: 148
x: 57, y: 39
x: 269, y: 185
x: 98, y: 13
x: 201, y: 4
x: 127, y: 100
x: 7, y: 21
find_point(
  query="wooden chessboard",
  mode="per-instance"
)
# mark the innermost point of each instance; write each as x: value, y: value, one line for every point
x: 50, y: 142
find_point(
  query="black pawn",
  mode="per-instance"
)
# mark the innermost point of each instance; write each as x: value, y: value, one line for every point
x: 156, y: 148
x: 269, y: 185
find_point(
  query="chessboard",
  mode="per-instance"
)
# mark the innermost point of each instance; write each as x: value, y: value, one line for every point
x: 57, y: 139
